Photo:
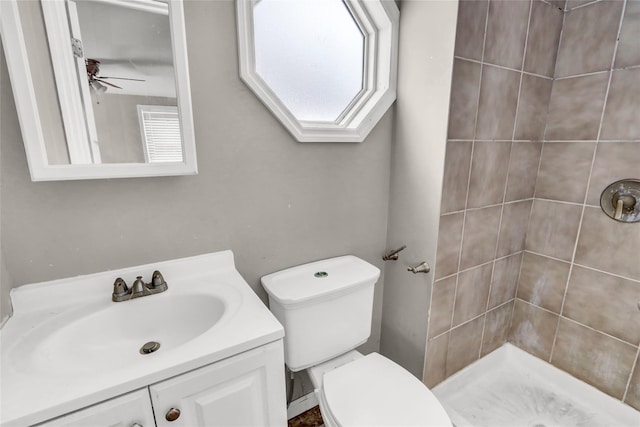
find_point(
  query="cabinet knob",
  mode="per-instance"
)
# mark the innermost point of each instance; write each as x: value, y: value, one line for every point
x: 172, y: 414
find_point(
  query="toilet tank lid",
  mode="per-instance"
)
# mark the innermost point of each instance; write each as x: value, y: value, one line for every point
x: 319, y: 279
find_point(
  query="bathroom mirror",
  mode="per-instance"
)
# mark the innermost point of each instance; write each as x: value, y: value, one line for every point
x: 102, y: 88
x: 325, y: 68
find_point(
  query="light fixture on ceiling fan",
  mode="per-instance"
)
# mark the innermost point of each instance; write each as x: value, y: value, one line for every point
x: 97, y: 83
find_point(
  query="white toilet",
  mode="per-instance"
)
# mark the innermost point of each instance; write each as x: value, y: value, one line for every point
x: 325, y: 308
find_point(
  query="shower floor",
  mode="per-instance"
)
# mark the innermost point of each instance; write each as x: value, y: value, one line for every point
x: 511, y: 388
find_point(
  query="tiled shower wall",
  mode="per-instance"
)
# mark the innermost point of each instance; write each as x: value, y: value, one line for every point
x: 576, y: 128
x: 579, y: 287
x: 503, y: 73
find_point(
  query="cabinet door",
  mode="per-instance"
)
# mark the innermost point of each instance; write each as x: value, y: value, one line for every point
x: 244, y: 390
x: 124, y: 411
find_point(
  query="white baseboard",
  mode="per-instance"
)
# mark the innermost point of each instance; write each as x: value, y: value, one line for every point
x: 302, y: 404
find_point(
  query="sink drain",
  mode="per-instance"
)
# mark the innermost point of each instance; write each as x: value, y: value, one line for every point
x: 150, y: 347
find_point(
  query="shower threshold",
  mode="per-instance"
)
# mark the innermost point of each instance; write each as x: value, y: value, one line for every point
x: 512, y: 388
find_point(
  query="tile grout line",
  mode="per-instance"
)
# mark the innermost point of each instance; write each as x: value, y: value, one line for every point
x: 544, y: 139
x: 479, y: 265
x: 593, y: 160
x: 471, y: 320
x: 604, y: 109
x: 506, y: 181
x: 529, y: 73
x: 585, y: 5
x: 608, y: 273
x: 591, y: 328
x: 633, y: 370
x: 511, y: 202
x: 466, y: 202
x: 533, y: 198
x: 575, y: 76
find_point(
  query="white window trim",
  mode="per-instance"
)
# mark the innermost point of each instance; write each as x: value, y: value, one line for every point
x: 379, y: 21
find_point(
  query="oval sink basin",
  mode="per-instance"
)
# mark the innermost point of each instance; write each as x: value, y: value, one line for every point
x: 111, y: 336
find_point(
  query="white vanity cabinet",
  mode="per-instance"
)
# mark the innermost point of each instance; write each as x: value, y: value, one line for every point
x: 246, y: 390
x: 243, y: 390
x: 129, y: 410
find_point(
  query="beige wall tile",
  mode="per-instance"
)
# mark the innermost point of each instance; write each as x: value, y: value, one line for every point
x: 609, y: 245
x: 614, y: 161
x: 435, y: 362
x: 533, y: 329
x: 472, y: 17
x: 496, y: 329
x: 560, y: 4
x: 535, y: 94
x: 576, y: 107
x: 497, y: 107
x: 564, y: 171
x: 449, y: 239
x: 442, y: 299
x: 480, y: 236
x: 628, y: 53
x: 472, y: 293
x: 594, y: 358
x: 489, y: 168
x: 604, y: 302
x: 513, y: 229
x: 553, y: 228
x: 633, y: 395
x: 623, y: 103
x: 464, y: 345
x: 545, y: 26
x: 506, y: 33
x: 588, y: 38
x: 523, y: 167
x: 575, y: 3
x: 464, y: 99
x: 456, y: 176
x: 543, y: 281
x: 504, y: 280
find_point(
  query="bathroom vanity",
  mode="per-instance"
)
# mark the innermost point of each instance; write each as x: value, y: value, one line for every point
x: 72, y: 356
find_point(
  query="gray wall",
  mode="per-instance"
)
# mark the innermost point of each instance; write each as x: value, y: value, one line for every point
x: 118, y: 125
x: 424, y: 81
x: 273, y: 201
x: 5, y: 286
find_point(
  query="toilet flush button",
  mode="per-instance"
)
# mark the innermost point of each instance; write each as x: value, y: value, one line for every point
x: 320, y: 274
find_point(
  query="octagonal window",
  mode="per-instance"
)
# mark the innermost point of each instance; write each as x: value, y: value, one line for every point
x: 316, y: 73
x: 325, y: 68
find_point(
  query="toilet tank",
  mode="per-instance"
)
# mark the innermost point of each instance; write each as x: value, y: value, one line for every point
x: 324, y: 306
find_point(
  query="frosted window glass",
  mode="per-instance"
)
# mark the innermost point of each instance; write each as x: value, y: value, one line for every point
x: 311, y: 54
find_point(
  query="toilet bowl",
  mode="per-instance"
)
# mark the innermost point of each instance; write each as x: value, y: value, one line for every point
x: 325, y: 308
x: 372, y: 390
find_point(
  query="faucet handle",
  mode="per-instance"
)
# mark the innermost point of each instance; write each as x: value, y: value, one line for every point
x: 157, y: 282
x: 119, y: 288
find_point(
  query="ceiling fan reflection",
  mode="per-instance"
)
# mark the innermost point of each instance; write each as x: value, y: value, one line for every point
x: 97, y: 83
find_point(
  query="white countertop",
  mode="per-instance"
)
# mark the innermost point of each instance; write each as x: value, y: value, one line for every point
x: 37, y: 385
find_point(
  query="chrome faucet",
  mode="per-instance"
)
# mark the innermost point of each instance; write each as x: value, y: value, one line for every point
x: 121, y: 292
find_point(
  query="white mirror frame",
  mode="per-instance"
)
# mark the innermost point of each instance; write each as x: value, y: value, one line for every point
x: 26, y: 101
x: 379, y: 21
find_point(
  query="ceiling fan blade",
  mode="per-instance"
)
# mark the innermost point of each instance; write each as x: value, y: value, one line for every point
x: 107, y: 83
x: 122, y: 78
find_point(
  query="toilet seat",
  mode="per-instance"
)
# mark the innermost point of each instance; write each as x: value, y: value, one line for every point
x: 374, y: 391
